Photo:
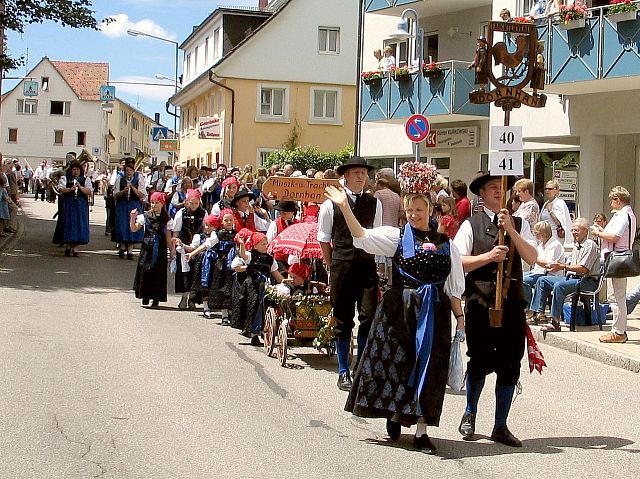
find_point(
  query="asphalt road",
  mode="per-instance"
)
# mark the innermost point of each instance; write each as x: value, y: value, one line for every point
x: 93, y: 385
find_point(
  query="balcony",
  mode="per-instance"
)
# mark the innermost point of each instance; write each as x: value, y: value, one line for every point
x: 444, y: 98
x: 602, y: 56
x: 377, y: 5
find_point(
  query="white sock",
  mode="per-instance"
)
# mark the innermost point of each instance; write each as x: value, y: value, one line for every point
x: 421, y: 429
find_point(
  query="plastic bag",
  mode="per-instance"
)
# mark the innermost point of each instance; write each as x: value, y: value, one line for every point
x: 172, y: 266
x: 455, y: 378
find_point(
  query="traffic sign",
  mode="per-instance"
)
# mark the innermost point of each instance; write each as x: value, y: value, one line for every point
x: 417, y: 128
x: 30, y: 88
x: 506, y: 163
x: 159, y: 133
x: 107, y: 93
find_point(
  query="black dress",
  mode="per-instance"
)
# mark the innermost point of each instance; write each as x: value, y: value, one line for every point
x: 248, y: 293
x: 221, y: 283
x: 151, y: 273
x: 390, y: 372
x: 191, y: 224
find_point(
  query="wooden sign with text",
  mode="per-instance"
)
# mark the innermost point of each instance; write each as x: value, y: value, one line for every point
x: 308, y: 190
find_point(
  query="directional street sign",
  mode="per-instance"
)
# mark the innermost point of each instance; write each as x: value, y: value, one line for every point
x: 169, y: 145
x: 417, y: 128
x: 107, y: 93
x: 159, y: 133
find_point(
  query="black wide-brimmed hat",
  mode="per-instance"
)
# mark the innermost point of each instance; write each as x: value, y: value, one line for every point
x: 354, y: 162
x: 243, y: 193
x: 481, y: 178
x: 286, y: 206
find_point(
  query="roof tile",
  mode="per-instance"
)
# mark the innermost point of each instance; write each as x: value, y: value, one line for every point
x: 84, y: 78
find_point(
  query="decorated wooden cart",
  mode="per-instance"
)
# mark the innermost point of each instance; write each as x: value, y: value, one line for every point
x: 305, y: 318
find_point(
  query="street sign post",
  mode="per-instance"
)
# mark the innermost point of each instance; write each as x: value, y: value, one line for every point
x: 107, y: 93
x: 159, y: 133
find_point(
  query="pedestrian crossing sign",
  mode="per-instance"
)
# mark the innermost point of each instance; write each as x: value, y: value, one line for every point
x: 159, y: 133
x: 107, y: 93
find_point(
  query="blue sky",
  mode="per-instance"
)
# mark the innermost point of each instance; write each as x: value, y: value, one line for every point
x: 134, y: 59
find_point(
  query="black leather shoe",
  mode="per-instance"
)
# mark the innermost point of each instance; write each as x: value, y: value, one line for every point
x: 255, y: 341
x: 145, y: 301
x: 467, y: 426
x: 503, y: 436
x: 154, y: 303
x: 393, y: 429
x: 344, y: 381
x: 423, y: 442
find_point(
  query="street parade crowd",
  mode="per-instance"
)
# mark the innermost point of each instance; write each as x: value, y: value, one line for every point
x: 405, y: 255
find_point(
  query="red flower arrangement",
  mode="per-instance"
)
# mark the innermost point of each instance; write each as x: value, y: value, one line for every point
x: 621, y: 6
x: 573, y: 12
x: 372, y: 75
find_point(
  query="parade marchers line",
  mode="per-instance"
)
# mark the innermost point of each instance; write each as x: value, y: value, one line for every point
x: 576, y: 342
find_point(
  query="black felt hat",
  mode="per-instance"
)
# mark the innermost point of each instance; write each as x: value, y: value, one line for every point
x: 242, y: 194
x: 354, y: 162
x: 481, y: 178
x: 286, y: 206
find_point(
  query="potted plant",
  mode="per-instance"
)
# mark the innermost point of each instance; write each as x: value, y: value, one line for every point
x: 622, y: 10
x: 523, y: 20
x: 372, y: 77
x: 431, y: 69
x: 400, y: 73
x: 573, y: 16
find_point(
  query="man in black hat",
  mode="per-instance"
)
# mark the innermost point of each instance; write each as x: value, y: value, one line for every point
x: 493, y: 349
x: 246, y: 215
x: 353, y: 275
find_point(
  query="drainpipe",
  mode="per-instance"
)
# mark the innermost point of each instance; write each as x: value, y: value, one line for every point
x: 358, y: 122
x: 233, y: 112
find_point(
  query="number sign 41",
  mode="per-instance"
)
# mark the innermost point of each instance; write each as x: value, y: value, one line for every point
x: 506, y: 138
x: 506, y: 163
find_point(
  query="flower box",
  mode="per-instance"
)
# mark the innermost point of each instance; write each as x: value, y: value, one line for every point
x: 372, y: 81
x: 400, y: 73
x: 574, y: 24
x: 431, y: 73
x: 623, y: 16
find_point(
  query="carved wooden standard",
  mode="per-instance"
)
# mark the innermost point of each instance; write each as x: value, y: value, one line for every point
x: 517, y: 56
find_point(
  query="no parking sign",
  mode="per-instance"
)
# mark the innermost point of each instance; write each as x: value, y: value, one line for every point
x: 417, y: 128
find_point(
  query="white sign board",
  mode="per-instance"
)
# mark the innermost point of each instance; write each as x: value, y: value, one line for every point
x: 506, y: 163
x: 209, y: 128
x: 567, y: 195
x: 506, y: 138
x: 453, y: 137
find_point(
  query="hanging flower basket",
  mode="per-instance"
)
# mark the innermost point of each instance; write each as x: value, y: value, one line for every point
x: 400, y: 73
x: 574, y: 24
x: 431, y: 70
x: 370, y: 78
x: 622, y: 17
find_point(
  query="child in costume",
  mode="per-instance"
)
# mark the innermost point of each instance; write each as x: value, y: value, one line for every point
x: 221, y: 274
x: 201, y: 255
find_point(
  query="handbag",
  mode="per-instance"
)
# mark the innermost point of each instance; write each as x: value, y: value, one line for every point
x: 455, y: 377
x: 622, y: 264
x: 559, y: 229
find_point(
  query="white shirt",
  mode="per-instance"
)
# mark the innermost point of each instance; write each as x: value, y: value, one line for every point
x: 548, y: 252
x: 464, y: 237
x: 561, y: 212
x: 209, y: 243
x: 141, y: 222
x: 62, y: 183
x: 619, y: 226
x: 384, y: 240
x: 238, y: 261
x: 325, y: 217
x: 261, y: 223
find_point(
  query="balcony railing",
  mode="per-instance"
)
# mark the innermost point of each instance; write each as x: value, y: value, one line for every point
x: 602, y: 49
x: 376, y: 5
x: 444, y: 94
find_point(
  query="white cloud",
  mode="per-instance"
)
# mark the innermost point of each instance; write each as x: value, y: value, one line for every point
x: 121, y: 23
x: 134, y: 86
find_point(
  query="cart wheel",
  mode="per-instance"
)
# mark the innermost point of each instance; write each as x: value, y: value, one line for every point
x: 270, y: 330
x: 282, y: 343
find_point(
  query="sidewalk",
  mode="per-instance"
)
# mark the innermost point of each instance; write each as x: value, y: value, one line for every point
x: 584, y: 341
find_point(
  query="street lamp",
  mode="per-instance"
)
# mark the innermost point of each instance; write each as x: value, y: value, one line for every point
x: 403, y: 33
x: 137, y: 33
x: 160, y: 76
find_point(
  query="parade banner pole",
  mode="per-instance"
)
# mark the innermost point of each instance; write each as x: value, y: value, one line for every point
x: 519, y: 69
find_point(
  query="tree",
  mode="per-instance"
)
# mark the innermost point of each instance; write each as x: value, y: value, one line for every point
x: 16, y: 14
x: 304, y: 157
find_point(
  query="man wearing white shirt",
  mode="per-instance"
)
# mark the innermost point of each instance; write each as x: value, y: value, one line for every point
x: 493, y: 346
x: 353, y: 274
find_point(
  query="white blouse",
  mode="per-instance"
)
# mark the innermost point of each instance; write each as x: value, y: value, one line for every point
x: 141, y: 222
x: 384, y: 240
x: 548, y: 252
x: 238, y: 261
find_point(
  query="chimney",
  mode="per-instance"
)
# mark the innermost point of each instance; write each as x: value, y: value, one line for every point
x: 157, y: 118
x: 262, y: 4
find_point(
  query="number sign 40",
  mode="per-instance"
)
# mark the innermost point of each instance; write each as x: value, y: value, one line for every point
x: 506, y: 138
x: 506, y: 163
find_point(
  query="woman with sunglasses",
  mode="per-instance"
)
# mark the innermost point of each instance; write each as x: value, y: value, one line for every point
x: 556, y: 213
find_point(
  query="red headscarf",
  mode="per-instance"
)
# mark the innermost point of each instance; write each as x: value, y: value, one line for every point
x: 225, y: 211
x: 229, y: 181
x: 254, y: 239
x: 158, y: 196
x: 193, y: 193
x: 212, y: 220
x: 301, y: 270
x: 244, y: 234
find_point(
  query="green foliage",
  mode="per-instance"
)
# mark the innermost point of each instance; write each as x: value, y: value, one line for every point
x: 293, y: 141
x: 70, y: 13
x: 304, y: 157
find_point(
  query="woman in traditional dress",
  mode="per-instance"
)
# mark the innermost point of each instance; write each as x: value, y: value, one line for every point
x: 230, y: 187
x: 74, y: 190
x: 150, y: 283
x: 187, y: 222
x: 403, y: 372
x: 221, y: 284
x: 129, y: 192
